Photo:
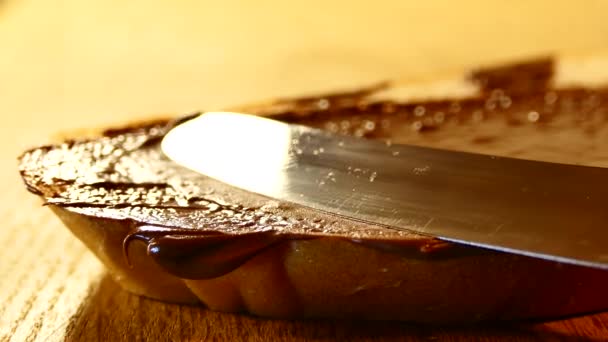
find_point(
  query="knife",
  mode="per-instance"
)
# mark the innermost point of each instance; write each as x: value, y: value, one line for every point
x: 547, y: 210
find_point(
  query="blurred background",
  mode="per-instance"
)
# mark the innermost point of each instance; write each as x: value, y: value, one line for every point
x: 68, y: 64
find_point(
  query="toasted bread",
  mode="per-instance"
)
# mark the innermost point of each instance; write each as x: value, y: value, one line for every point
x: 168, y: 233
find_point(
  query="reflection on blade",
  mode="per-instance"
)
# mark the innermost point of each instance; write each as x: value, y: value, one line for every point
x: 208, y: 143
x: 548, y: 210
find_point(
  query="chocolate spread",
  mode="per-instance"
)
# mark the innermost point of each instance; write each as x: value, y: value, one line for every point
x: 197, y: 228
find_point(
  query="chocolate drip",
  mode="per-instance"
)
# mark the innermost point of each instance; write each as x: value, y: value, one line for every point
x: 203, y: 254
x: 198, y: 254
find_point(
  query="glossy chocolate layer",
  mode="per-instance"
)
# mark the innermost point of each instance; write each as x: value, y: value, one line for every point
x: 198, y: 228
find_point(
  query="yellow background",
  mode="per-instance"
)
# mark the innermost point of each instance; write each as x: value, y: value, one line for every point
x: 68, y: 64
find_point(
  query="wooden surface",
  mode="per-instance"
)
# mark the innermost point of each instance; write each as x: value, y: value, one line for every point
x: 66, y: 65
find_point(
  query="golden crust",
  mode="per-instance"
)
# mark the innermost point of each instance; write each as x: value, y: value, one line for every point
x: 333, y: 277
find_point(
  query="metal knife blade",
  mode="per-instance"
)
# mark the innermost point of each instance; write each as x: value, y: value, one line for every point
x: 540, y: 209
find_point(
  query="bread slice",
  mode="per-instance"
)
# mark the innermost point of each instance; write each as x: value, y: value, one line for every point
x: 168, y: 233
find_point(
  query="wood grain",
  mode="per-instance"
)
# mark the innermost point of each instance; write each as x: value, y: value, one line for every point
x: 71, y: 64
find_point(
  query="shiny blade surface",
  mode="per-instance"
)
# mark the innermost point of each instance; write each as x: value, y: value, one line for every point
x: 546, y: 210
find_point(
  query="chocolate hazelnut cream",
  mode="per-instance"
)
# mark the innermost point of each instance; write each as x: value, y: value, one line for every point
x: 198, y: 228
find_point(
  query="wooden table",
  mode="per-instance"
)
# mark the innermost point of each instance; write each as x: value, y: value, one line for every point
x: 71, y: 64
